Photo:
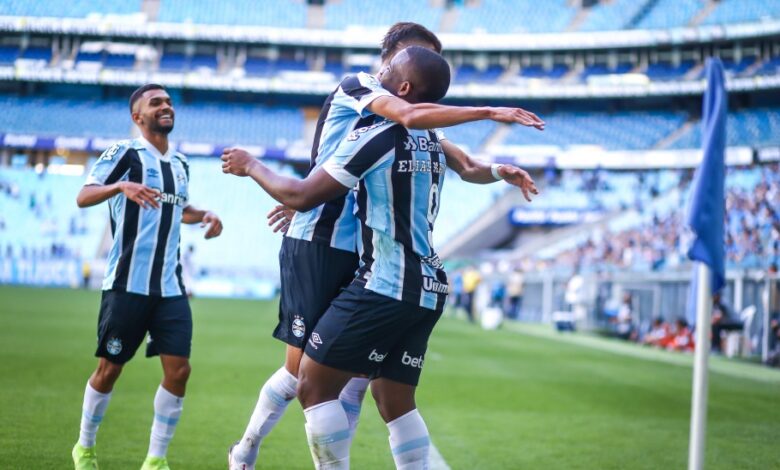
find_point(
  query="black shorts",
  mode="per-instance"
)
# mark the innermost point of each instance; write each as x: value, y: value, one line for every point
x: 312, y: 275
x: 371, y: 334
x: 126, y: 317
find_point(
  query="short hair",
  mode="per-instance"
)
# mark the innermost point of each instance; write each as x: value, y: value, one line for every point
x: 431, y: 74
x: 138, y: 93
x: 404, y: 32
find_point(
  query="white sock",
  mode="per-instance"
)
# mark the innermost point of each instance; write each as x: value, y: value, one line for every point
x: 327, y: 429
x: 95, y: 404
x: 409, y: 441
x: 167, y: 409
x: 351, y: 398
x: 276, y: 394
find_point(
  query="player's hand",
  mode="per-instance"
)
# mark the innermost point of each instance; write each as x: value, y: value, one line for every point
x: 237, y: 161
x: 516, y: 116
x: 140, y: 194
x: 280, y: 217
x: 215, y: 225
x: 520, y: 178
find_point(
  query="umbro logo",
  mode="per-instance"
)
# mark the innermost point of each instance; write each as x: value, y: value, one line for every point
x: 315, y: 339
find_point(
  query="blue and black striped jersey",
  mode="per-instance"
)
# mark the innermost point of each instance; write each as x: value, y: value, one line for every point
x: 399, y: 173
x: 333, y: 223
x: 144, y: 257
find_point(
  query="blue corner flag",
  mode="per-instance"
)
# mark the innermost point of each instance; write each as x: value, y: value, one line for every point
x: 706, y: 205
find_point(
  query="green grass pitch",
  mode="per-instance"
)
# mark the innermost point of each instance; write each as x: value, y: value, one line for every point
x: 492, y: 400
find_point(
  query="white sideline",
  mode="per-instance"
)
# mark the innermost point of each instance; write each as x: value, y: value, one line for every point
x: 437, y: 461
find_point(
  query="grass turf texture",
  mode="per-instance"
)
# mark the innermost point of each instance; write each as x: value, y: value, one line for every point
x: 491, y: 400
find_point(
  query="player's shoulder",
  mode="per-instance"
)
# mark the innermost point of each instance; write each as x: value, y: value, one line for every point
x: 181, y: 157
x: 384, y: 126
x: 119, y: 148
x: 359, y: 81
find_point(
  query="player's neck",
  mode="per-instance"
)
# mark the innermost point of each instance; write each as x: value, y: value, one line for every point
x: 160, y: 141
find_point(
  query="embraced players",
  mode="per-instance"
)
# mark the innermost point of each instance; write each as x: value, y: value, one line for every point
x: 318, y: 256
x: 145, y: 182
x: 379, y: 325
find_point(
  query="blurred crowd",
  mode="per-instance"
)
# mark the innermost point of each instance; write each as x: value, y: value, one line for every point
x: 752, y: 232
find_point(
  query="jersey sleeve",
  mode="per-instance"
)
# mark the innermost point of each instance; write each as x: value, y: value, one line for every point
x: 361, y: 151
x: 113, y: 164
x: 357, y: 92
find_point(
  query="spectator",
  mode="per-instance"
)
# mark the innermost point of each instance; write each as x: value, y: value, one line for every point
x: 471, y: 280
x: 682, y: 338
x: 514, y: 290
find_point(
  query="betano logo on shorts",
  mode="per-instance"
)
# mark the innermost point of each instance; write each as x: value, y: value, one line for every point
x: 408, y: 360
x: 376, y: 357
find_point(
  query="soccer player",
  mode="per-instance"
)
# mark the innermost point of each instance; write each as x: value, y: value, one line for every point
x: 319, y: 252
x: 379, y: 325
x: 145, y: 182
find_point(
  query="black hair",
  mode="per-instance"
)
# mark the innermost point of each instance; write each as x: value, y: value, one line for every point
x: 405, y: 32
x: 138, y: 93
x: 431, y: 74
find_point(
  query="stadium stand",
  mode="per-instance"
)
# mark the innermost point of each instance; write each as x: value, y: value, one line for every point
x: 757, y: 127
x: 621, y: 130
x: 617, y: 14
x: 71, y: 9
x: 743, y: 11
x: 278, y: 13
x: 225, y: 124
x: 670, y: 13
x: 343, y: 14
x: 650, y: 239
x: 508, y: 16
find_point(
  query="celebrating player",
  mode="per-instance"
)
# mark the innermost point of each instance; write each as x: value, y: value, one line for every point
x: 380, y: 324
x: 145, y: 182
x: 318, y: 256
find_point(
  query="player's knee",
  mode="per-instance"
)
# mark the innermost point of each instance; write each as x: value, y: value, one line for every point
x: 180, y: 374
x: 304, y: 390
x: 105, y: 375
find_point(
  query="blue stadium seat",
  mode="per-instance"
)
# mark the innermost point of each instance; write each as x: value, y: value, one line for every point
x: 743, y: 11
x: 510, y: 16
x: 346, y: 13
x: 278, y: 13
x: 666, y: 71
x: 670, y: 14
x: 8, y: 54
x: 70, y: 9
x: 616, y: 14
x: 755, y: 127
x: 120, y: 61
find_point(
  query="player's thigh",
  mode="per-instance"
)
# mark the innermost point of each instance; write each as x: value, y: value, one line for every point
x: 170, y: 328
x: 357, y: 331
x: 404, y: 362
x: 312, y: 275
x: 122, y: 324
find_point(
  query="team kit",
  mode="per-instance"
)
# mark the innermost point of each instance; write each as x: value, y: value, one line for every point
x: 362, y: 287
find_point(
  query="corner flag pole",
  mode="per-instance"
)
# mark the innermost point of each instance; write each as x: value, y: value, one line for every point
x: 700, y: 368
x: 705, y: 219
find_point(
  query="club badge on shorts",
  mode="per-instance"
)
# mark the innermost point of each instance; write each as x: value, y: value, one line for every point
x: 298, y: 327
x: 114, y: 346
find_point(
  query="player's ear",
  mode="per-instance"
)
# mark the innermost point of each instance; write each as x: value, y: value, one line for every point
x: 405, y: 88
x: 136, y: 116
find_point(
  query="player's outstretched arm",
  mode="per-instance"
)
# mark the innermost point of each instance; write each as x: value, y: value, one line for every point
x: 191, y: 215
x: 297, y: 194
x: 430, y: 115
x: 142, y: 195
x: 479, y: 172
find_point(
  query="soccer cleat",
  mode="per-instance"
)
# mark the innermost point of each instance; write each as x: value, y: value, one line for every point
x: 84, y: 458
x: 232, y: 465
x: 155, y: 463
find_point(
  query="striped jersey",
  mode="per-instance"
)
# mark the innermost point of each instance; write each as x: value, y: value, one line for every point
x: 144, y: 257
x: 333, y: 223
x: 399, y: 173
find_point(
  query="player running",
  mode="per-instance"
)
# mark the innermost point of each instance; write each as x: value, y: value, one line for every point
x: 145, y: 182
x: 319, y: 252
x: 380, y: 324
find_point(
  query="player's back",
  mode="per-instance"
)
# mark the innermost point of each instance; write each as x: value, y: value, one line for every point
x: 400, y: 173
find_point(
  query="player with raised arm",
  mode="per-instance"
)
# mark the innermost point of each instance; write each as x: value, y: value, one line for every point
x: 380, y: 324
x: 145, y: 182
x: 319, y: 252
